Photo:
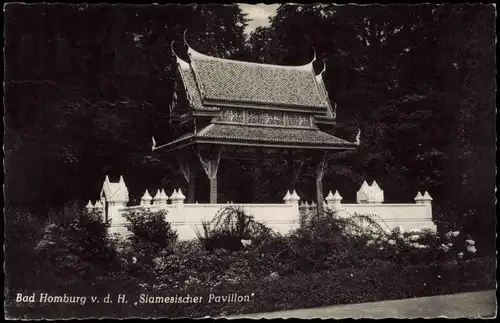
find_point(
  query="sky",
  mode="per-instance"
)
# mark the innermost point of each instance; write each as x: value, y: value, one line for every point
x: 258, y: 14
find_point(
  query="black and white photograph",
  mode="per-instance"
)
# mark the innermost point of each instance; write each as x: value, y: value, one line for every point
x: 275, y: 160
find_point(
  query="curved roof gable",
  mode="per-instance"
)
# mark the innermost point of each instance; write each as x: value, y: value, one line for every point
x: 227, y: 80
x: 113, y: 191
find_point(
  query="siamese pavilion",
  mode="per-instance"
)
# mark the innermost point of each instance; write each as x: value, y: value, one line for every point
x: 229, y: 109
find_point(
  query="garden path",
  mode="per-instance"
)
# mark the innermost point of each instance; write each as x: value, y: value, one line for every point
x: 464, y: 305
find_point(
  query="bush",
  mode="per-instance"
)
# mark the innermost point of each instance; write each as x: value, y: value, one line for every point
x: 420, y: 246
x: 23, y: 230
x: 74, y: 252
x: 329, y: 261
x: 362, y: 238
x: 330, y: 241
x: 378, y: 281
x: 150, y: 233
x: 229, y: 227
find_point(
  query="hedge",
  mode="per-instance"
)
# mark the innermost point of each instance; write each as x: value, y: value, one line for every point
x: 379, y: 281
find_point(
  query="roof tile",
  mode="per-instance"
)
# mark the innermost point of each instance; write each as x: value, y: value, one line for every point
x: 190, y: 84
x: 243, y: 82
x: 270, y: 134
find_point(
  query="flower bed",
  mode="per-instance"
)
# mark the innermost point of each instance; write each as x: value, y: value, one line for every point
x: 328, y: 262
x: 381, y: 280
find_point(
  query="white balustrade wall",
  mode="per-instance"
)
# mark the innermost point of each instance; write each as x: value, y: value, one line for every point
x: 410, y: 216
x: 187, y: 219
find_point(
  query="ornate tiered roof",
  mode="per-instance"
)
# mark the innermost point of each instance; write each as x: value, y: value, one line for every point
x: 255, y: 104
x: 261, y: 136
x: 243, y: 82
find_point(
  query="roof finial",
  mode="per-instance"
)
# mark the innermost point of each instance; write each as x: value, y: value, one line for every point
x: 358, y: 138
x: 154, y: 143
x: 184, y: 36
x: 324, y: 67
x: 314, y: 55
x: 172, y: 48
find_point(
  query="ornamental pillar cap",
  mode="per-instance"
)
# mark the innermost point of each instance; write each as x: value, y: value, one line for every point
x: 426, y: 198
x: 294, y: 196
x: 329, y: 197
x: 163, y: 196
x: 287, y: 196
x: 337, y: 197
x: 180, y: 196
x: 174, y: 195
x: 177, y: 197
x: 89, y: 205
x: 146, y: 196
x: 418, y: 198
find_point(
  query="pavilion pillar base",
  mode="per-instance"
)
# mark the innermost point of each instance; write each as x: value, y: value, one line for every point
x: 189, y: 173
x: 213, y: 190
x: 320, y: 172
x: 191, y: 186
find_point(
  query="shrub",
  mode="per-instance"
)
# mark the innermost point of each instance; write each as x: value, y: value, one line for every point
x: 379, y: 280
x: 74, y: 252
x: 150, y: 232
x: 420, y: 246
x: 190, y: 263
x: 330, y: 241
x: 376, y: 282
x: 229, y: 227
x: 23, y: 230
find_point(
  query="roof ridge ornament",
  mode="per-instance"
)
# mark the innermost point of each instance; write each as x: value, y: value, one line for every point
x: 324, y: 67
x: 184, y: 37
x: 358, y: 137
x: 172, y: 49
x: 154, y: 143
x: 196, y: 55
x: 314, y: 56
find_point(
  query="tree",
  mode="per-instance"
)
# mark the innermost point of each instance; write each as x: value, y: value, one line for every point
x: 417, y: 81
x: 88, y: 85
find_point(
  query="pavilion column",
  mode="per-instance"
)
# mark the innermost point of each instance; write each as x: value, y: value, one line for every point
x: 295, y: 165
x: 191, y: 186
x: 320, y: 172
x: 210, y: 162
x: 189, y: 172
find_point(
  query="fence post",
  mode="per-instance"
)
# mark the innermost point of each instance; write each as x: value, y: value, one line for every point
x: 418, y: 198
x: 287, y: 197
x: 336, y: 201
x: 294, y: 198
x: 146, y: 199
